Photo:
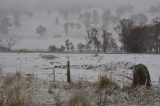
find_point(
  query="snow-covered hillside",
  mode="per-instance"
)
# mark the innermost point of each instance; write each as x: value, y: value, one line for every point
x: 55, y: 20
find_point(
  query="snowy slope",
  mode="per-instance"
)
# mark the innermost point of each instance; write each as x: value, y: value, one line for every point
x: 29, y: 39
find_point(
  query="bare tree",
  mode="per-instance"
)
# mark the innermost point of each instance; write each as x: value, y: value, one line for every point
x: 105, y: 40
x: 62, y: 49
x: 97, y: 43
x: 41, y: 30
x: 124, y: 30
x: 11, y: 40
x: 93, y: 38
x: 67, y: 44
x: 71, y: 46
x: 81, y: 47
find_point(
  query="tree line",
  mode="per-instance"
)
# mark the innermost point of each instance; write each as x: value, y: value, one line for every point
x: 135, y: 38
x: 139, y: 38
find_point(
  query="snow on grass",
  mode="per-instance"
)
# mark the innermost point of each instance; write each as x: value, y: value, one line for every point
x: 84, y: 66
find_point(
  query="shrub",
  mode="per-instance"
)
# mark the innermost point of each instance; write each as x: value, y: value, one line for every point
x: 141, y: 76
x: 104, y: 82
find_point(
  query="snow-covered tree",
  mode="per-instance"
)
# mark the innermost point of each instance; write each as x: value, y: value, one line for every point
x: 41, y: 30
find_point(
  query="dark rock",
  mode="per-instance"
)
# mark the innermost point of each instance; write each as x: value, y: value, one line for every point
x: 141, y: 76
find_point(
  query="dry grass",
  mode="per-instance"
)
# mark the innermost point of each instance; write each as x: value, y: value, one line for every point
x: 79, y: 98
x: 57, y: 100
x: 52, y: 85
x: 80, y: 84
x: 14, y: 92
x: 105, y: 82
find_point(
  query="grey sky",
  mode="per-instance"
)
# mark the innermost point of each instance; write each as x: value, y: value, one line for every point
x: 138, y: 4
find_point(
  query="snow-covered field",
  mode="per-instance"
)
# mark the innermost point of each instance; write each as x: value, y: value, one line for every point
x: 44, y: 43
x: 83, y: 66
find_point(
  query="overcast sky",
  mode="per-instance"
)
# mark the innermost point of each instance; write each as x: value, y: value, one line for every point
x: 138, y: 4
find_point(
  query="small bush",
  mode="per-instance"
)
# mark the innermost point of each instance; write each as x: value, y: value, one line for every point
x: 104, y: 82
x: 141, y: 76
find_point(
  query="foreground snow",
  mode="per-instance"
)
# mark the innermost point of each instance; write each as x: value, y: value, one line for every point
x: 85, y: 70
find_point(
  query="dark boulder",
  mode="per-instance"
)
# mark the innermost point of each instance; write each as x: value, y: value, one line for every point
x: 141, y: 76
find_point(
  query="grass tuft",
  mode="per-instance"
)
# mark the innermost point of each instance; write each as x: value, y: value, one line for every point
x: 105, y: 82
x: 14, y: 92
x: 79, y: 98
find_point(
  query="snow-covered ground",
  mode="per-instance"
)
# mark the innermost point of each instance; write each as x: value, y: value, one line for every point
x: 83, y: 66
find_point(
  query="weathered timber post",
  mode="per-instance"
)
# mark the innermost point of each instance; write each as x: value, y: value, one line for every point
x: 68, y: 72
